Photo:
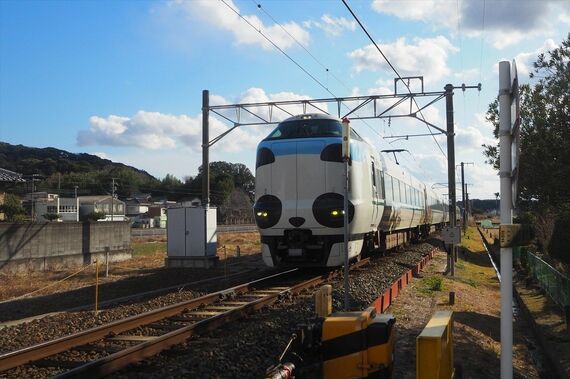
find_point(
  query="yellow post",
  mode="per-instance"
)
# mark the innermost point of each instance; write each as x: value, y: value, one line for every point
x: 323, y: 301
x: 96, y: 285
x: 434, y: 348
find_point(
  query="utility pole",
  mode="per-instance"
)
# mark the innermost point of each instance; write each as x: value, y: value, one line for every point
x: 113, y: 199
x: 346, y: 159
x: 506, y: 257
x: 450, y: 170
x: 464, y: 197
x: 468, y: 209
x: 205, y: 148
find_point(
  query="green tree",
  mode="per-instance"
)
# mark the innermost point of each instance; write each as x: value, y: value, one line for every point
x: 12, y: 207
x: 544, y: 166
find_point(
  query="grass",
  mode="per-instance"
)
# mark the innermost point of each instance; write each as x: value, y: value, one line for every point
x: 148, y: 248
x: 431, y: 284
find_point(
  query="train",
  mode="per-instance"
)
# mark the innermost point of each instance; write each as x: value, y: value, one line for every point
x: 299, y: 201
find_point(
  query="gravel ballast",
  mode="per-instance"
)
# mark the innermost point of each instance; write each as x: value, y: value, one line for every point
x: 241, y: 349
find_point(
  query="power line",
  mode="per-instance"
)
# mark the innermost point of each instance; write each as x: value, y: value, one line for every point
x: 277, y: 47
x: 393, y: 69
x: 290, y: 58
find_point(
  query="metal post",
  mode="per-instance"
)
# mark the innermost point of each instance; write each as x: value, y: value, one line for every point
x: 346, y: 298
x: 450, y: 167
x: 506, y: 218
x: 107, y: 261
x: 463, y: 190
x: 76, y: 205
x: 205, y: 148
x: 346, y: 159
x: 113, y: 200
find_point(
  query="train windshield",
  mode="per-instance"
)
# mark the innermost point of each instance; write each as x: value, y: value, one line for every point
x: 308, y: 128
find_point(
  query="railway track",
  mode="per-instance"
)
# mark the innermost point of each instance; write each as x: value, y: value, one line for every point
x: 108, y: 348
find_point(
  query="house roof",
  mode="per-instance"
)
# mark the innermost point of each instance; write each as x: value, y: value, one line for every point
x: 10, y: 176
x: 84, y: 199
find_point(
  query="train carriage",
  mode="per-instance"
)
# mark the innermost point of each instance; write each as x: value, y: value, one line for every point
x: 299, y: 198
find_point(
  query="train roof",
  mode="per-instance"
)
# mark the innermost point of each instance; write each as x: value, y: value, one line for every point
x: 316, y: 116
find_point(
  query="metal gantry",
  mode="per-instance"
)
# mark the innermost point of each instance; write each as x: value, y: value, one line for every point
x: 356, y: 107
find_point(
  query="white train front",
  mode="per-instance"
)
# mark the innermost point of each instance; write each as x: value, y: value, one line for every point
x: 299, y: 196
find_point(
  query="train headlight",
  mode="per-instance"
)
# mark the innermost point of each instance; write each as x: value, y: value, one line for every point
x: 267, y: 211
x: 328, y: 210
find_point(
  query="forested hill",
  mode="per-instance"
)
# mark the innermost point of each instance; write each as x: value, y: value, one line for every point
x: 48, y: 161
x: 64, y: 170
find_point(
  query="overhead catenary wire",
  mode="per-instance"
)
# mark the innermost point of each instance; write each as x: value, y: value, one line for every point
x: 258, y: 30
x: 295, y: 62
x: 393, y: 69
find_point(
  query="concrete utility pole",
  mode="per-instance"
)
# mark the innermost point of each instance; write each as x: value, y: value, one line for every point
x: 506, y: 218
x: 450, y: 169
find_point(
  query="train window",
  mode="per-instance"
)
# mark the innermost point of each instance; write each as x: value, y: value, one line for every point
x: 388, y: 187
x: 397, y: 190
x: 307, y: 128
x: 381, y: 187
x: 373, y: 169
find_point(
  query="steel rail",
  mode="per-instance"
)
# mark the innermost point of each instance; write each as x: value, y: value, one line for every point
x: 155, y: 345
x: 45, y: 349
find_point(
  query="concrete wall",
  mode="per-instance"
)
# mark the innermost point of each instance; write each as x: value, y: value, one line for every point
x: 44, y: 246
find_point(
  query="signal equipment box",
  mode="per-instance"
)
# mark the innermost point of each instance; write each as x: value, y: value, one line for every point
x: 191, y: 237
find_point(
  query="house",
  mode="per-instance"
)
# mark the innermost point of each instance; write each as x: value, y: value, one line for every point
x: 136, y: 207
x: 10, y: 176
x: 158, y: 214
x: 66, y: 208
x: 102, y: 204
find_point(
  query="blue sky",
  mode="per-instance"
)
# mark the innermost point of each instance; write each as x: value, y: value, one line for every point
x: 123, y: 79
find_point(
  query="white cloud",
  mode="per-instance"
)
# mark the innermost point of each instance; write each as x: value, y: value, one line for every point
x: 221, y: 16
x: 429, y: 55
x: 439, y: 13
x: 525, y: 60
x: 333, y: 26
x: 504, y: 23
x: 159, y: 131
x: 470, y: 138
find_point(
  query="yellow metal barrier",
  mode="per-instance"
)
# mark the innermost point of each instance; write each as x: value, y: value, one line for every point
x: 434, y: 348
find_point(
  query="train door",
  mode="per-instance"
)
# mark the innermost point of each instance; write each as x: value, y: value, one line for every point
x: 375, y: 183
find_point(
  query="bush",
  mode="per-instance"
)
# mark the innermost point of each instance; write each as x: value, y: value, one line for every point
x: 51, y: 216
x: 432, y: 284
x: 94, y: 216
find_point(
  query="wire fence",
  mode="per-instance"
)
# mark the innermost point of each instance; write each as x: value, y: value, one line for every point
x: 556, y: 285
